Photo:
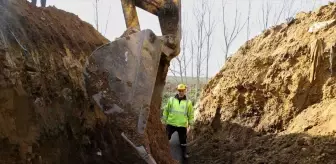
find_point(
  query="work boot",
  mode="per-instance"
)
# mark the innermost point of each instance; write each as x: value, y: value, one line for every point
x: 184, y: 152
x: 186, y: 156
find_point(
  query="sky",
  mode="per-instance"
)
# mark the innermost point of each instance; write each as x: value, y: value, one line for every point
x: 112, y: 24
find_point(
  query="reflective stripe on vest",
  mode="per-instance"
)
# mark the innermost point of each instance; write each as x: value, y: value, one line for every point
x: 185, y: 113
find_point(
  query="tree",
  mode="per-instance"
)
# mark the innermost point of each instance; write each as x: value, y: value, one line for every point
x: 96, y: 6
x: 248, y: 20
x: 209, y: 28
x: 288, y: 11
x: 230, y: 35
x: 185, y: 59
x: 266, y: 12
x: 199, y: 12
x: 107, y: 19
x: 182, y: 61
x: 192, y: 58
x: 277, y: 15
x: 96, y: 16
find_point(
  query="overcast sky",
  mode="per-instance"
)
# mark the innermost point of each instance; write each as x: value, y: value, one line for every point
x: 111, y: 16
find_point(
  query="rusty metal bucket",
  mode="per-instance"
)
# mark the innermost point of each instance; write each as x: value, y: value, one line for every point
x: 120, y: 78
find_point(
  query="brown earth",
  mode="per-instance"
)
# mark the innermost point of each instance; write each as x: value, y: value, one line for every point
x: 263, y: 108
x: 45, y: 115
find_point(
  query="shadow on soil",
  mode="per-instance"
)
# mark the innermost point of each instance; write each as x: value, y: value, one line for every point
x: 235, y: 144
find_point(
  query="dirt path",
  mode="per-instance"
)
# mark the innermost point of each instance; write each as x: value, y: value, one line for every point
x: 175, y: 149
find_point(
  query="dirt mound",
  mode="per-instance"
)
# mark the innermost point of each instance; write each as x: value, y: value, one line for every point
x: 45, y: 115
x: 274, y: 100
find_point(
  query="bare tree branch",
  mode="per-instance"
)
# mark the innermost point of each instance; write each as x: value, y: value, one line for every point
x: 107, y: 19
x: 248, y: 21
x: 199, y: 13
x: 180, y: 68
x: 95, y: 5
x: 266, y: 10
x: 185, y: 60
x: 289, y: 8
x: 184, y: 55
x: 192, y: 57
x: 230, y: 36
x: 174, y: 74
x: 211, y: 24
x: 277, y: 16
x: 313, y: 5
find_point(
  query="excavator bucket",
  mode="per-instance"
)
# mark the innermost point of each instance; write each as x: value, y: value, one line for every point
x: 120, y: 78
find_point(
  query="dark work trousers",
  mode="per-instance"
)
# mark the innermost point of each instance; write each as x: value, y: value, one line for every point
x: 182, y: 133
x: 34, y: 2
x: 43, y: 3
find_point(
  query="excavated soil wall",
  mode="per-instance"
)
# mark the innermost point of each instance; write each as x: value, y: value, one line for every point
x: 265, y: 107
x: 45, y: 115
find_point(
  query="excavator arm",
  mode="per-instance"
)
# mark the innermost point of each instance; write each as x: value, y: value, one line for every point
x: 125, y: 78
x: 169, y: 14
x: 168, y: 11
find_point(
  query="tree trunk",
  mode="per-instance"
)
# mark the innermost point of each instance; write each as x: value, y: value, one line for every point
x: 181, y: 71
x: 96, y: 10
x: 207, y: 57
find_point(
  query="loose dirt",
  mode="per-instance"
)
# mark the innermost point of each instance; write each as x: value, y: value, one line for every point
x: 262, y: 107
x: 45, y: 114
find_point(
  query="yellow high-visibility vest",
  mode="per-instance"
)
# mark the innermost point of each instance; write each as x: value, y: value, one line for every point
x: 180, y: 114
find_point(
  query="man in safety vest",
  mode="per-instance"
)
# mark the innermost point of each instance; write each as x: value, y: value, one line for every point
x: 178, y: 115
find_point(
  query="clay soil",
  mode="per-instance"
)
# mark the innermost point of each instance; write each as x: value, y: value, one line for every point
x: 45, y: 114
x: 262, y: 107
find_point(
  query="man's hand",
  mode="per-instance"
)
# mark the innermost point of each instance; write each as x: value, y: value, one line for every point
x: 189, y: 129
